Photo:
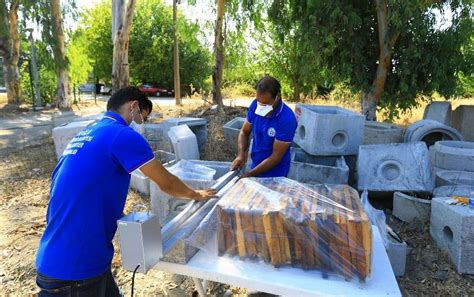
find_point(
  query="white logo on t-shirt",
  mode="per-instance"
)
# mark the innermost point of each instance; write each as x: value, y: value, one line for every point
x: 271, y: 132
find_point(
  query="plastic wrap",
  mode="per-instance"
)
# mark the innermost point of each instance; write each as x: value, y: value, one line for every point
x: 286, y: 223
x: 185, y: 169
x: 376, y: 216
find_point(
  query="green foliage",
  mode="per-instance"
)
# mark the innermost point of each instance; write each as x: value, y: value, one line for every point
x: 150, y: 45
x: 80, y: 65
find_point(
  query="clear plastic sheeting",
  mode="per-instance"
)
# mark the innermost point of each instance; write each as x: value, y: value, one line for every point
x: 286, y: 223
x: 185, y: 169
x: 376, y: 216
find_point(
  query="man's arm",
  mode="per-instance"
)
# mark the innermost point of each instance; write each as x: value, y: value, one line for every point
x: 279, y: 150
x: 243, y: 145
x: 172, y: 185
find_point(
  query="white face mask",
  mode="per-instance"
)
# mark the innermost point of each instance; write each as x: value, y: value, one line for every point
x: 140, y: 128
x: 263, y: 110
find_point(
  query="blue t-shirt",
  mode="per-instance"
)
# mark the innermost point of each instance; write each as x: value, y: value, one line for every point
x: 280, y: 125
x: 88, y: 192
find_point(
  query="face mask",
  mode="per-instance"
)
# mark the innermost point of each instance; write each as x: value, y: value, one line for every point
x: 140, y: 128
x: 263, y: 110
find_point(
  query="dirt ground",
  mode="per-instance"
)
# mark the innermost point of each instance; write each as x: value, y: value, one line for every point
x: 25, y: 180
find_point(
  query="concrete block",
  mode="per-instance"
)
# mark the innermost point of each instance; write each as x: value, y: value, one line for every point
x: 395, y: 167
x: 430, y: 131
x: 184, y: 143
x: 328, y: 130
x: 166, y: 206
x: 197, y: 125
x: 139, y: 182
x: 382, y: 133
x: 62, y: 135
x: 449, y: 191
x: 452, y: 228
x: 451, y: 177
x: 397, y: 254
x: 408, y: 208
x: 439, y: 111
x: 317, y: 169
x: 164, y: 157
x: 231, y: 132
x: 157, y: 136
x: 463, y: 117
x: 453, y: 155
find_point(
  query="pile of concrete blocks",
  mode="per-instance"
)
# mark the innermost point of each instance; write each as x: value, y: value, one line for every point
x: 166, y: 206
x: 452, y: 229
x: 382, y: 133
x: 62, y: 135
x: 395, y: 167
x: 430, y: 132
x: 463, y: 117
x: 157, y: 133
x: 141, y: 183
x: 439, y: 111
x: 453, y: 163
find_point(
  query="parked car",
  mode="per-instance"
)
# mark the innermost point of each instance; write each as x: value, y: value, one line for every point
x: 3, y: 89
x: 153, y: 89
x: 87, y: 88
x: 106, y: 90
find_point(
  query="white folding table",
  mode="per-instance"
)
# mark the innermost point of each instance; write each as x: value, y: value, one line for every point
x: 287, y: 281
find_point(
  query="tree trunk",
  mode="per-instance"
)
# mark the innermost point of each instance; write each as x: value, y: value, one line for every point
x: 123, y: 21
x: 296, y: 91
x: 219, y: 53
x: 371, y: 98
x: 10, y: 50
x: 63, y: 100
x: 177, y: 82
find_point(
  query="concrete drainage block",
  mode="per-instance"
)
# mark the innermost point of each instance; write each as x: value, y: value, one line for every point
x: 453, y: 155
x: 452, y: 229
x: 397, y: 254
x: 328, y: 130
x: 395, y: 167
x: 430, y: 131
x: 408, y: 208
x: 382, y: 133
x: 231, y: 132
x: 62, y: 135
x: 449, y: 191
x: 439, y: 111
x: 463, y: 117
x: 451, y: 177
x: 317, y: 169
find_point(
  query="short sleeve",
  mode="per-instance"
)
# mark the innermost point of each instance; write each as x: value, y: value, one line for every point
x: 131, y: 150
x: 251, y: 111
x: 286, y: 127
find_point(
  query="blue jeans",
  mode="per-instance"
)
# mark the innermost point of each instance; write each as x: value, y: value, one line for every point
x: 103, y: 285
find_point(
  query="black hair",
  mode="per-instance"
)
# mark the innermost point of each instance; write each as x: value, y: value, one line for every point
x: 268, y: 84
x: 128, y: 94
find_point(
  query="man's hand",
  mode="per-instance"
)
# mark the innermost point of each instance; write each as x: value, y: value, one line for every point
x: 238, y: 163
x: 203, y: 195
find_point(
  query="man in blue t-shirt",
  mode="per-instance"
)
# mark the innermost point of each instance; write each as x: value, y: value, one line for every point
x: 88, y: 192
x: 273, y: 125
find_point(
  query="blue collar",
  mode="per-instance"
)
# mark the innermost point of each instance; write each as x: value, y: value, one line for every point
x: 115, y: 116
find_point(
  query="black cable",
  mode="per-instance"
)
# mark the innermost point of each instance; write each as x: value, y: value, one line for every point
x: 133, y: 277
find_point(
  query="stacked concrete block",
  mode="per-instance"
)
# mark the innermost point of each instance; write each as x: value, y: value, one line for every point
x: 231, y: 132
x: 452, y: 177
x: 328, y: 130
x: 395, y: 167
x: 62, y: 135
x: 382, y: 133
x: 452, y: 229
x: 463, y: 117
x: 197, y: 125
x: 140, y: 182
x: 409, y: 208
x: 184, y: 141
x: 449, y: 191
x: 317, y: 169
x: 430, y: 132
x: 166, y: 206
x: 439, y: 111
